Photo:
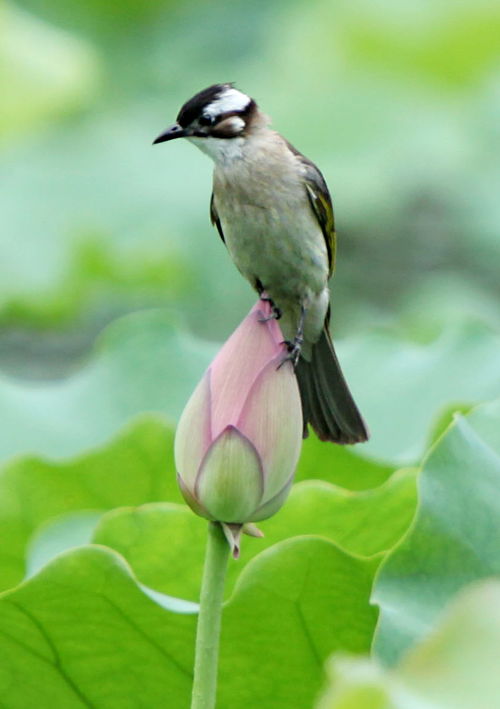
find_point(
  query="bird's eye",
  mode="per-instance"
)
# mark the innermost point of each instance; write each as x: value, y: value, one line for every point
x: 206, y: 120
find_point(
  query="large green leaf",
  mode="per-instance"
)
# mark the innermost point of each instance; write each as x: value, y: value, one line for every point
x: 164, y: 543
x: 136, y: 367
x: 365, y: 523
x: 455, y: 667
x: 455, y: 537
x: 82, y: 632
x: 135, y: 468
x: 342, y: 465
x: 291, y: 604
x: 403, y: 386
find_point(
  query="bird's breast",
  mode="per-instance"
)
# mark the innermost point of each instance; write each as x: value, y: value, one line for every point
x: 271, y: 232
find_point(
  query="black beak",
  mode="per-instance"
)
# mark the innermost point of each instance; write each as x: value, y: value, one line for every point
x: 175, y: 131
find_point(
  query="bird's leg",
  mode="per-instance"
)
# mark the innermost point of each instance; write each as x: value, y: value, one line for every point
x: 276, y: 312
x: 294, y: 347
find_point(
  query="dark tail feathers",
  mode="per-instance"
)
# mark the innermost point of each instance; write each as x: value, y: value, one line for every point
x: 327, y: 403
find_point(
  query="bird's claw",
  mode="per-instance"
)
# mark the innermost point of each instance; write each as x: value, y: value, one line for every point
x: 294, y: 348
x: 275, y: 314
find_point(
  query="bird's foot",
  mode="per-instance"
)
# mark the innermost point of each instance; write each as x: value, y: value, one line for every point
x: 275, y: 312
x: 294, y: 348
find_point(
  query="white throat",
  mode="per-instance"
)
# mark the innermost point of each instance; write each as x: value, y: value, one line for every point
x: 223, y: 151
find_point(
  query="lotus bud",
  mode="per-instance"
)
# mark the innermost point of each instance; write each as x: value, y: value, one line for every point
x: 239, y: 437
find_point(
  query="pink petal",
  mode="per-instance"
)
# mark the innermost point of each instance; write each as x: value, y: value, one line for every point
x: 239, y: 362
x: 193, y: 438
x: 272, y: 420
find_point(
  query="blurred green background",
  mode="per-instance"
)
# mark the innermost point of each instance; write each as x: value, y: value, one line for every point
x: 398, y: 103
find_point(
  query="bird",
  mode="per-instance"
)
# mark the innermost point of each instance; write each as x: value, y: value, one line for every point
x: 273, y: 211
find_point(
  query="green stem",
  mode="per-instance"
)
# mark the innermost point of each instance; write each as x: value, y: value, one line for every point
x: 209, y: 619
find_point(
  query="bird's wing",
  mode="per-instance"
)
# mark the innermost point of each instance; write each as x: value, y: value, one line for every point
x: 321, y: 203
x: 214, y: 218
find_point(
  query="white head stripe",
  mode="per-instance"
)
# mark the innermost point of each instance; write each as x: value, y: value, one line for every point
x: 229, y: 100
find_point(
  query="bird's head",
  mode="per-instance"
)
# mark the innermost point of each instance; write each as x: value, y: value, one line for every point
x: 217, y: 120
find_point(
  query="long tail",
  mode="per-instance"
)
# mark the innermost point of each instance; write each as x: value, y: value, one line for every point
x: 327, y: 403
